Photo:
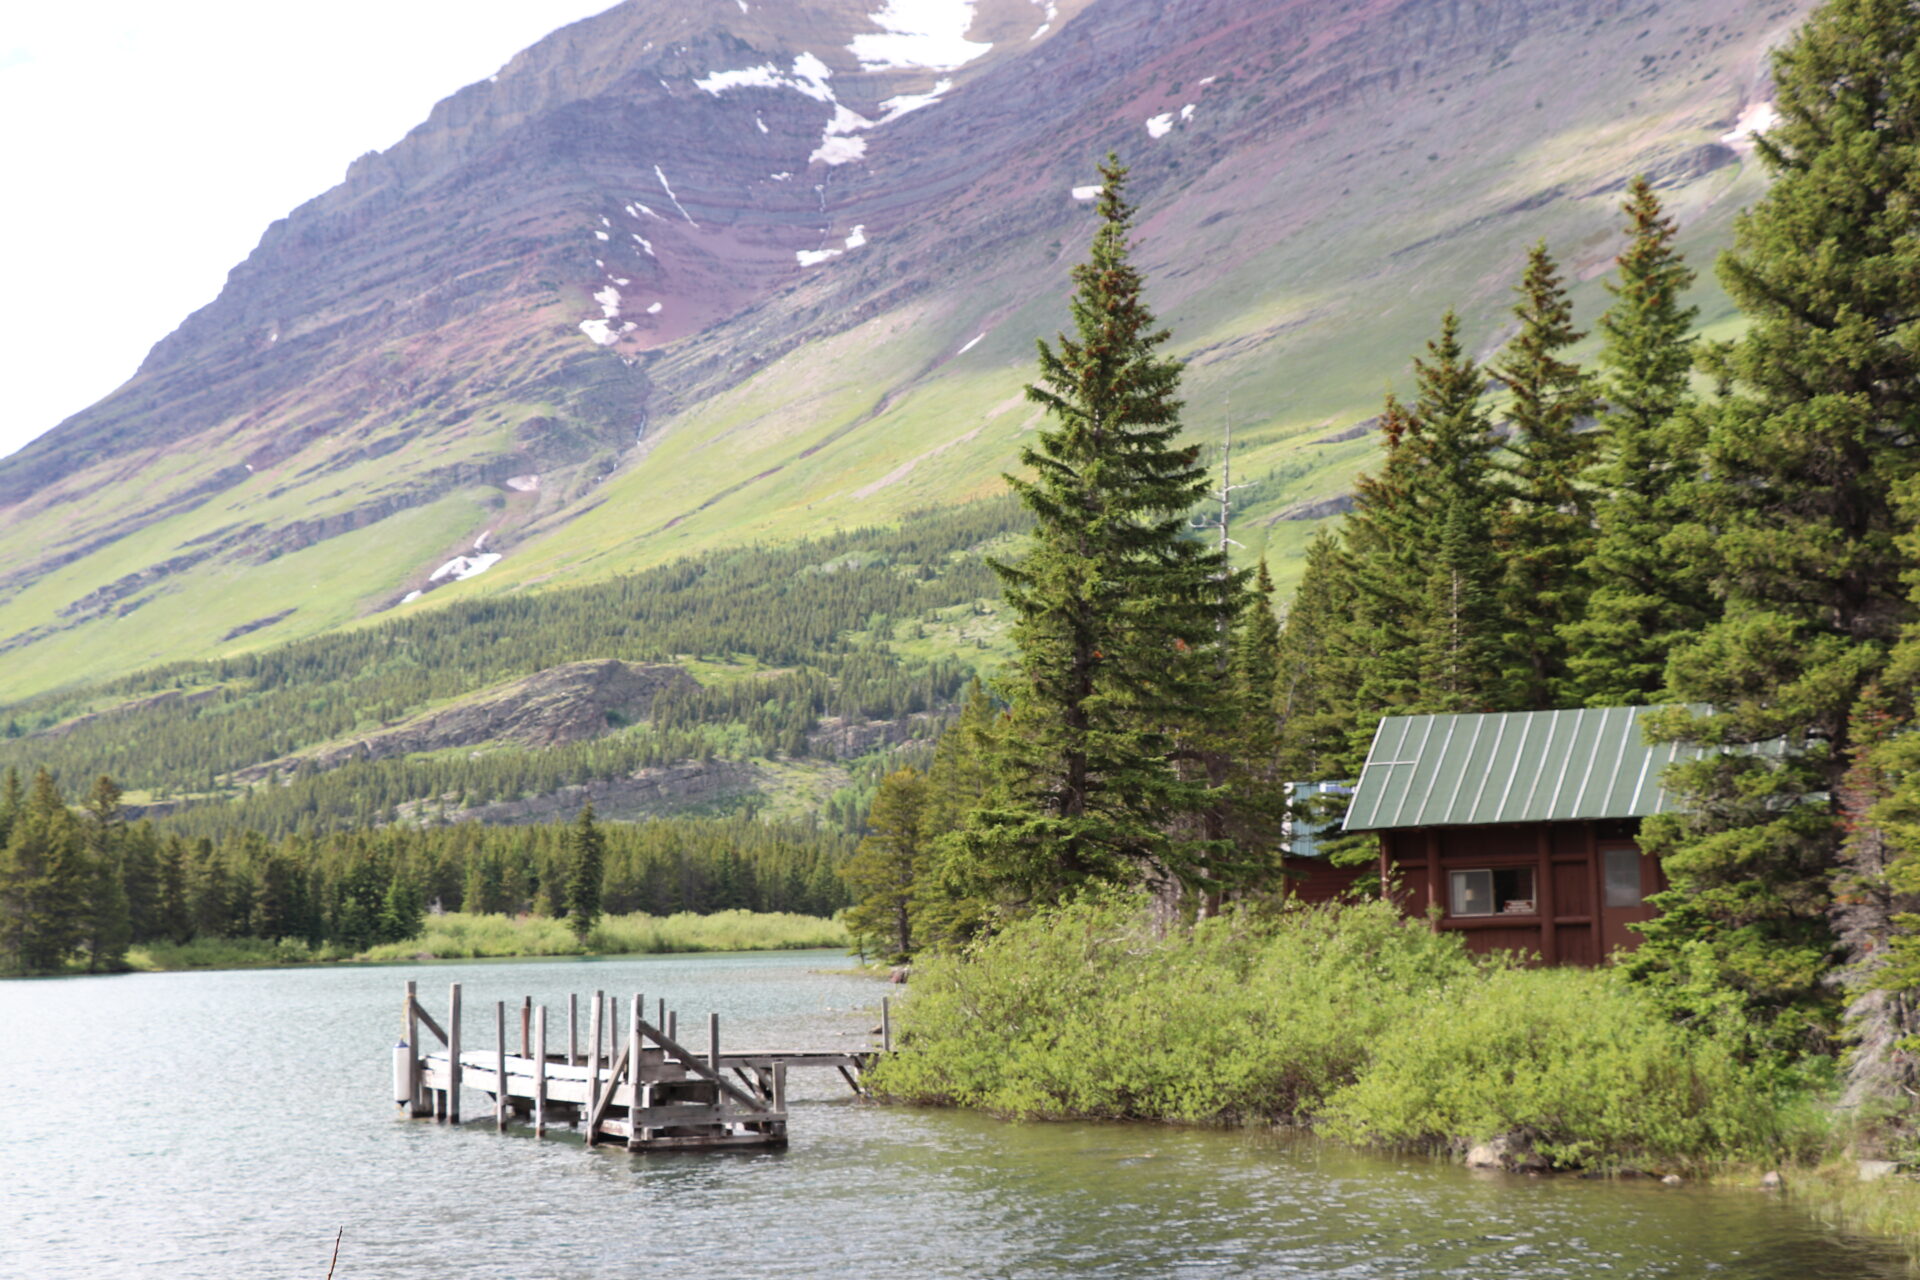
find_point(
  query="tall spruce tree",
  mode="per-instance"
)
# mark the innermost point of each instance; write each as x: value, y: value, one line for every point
x: 1819, y: 428
x: 890, y: 873
x: 108, y: 928
x: 43, y: 881
x: 1108, y: 605
x: 1649, y: 589
x: 1420, y: 539
x: 587, y: 869
x: 1545, y: 534
x: 1314, y: 669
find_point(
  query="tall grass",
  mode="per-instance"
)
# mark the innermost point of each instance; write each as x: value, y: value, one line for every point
x: 458, y: 935
x: 461, y: 935
x: 1353, y: 1018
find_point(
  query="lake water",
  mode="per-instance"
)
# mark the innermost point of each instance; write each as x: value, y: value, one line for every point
x: 226, y: 1124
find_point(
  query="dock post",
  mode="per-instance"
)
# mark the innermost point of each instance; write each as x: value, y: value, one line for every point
x: 593, y: 1050
x: 636, y: 1102
x: 540, y: 1075
x: 573, y: 1029
x: 886, y: 1025
x: 613, y: 1031
x: 660, y: 1018
x: 526, y: 1026
x: 413, y: 1050
x: 453, y: 1053
x: 673, y: 1024
x: 500, y: 1065
x: 780, y: 1088
x: 713, y: 1043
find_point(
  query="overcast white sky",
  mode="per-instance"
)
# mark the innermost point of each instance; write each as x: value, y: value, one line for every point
x: 144, y: 147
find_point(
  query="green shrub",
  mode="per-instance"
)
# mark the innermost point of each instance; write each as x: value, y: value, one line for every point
x: 1351, y: 1017
x: 1087, y: 1011
x: 1578, y: 1061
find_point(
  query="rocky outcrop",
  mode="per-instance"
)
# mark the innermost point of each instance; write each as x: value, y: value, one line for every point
x: 838, y: 738
x: 665, y: 789
x: 561, y: 704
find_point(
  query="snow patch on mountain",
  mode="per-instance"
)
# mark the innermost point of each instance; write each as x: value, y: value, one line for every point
x: 609, y: 300
x: 1088, y: 193
x: 1052, y: 11
x: 919, y: 33
x: 667, y: 187
x: 971, y: 344
x: 462, y: 567
x: 814, y: 257
x: 1161, y: 125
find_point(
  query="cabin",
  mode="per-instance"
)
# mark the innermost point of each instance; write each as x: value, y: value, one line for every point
x: 1521, y: 828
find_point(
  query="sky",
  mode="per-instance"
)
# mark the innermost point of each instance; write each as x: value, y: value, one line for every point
x: 145, y: 147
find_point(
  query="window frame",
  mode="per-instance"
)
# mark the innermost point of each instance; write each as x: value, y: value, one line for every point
x: 1491, y: 870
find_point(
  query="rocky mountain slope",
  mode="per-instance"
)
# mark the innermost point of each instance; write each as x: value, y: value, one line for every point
x: 696, y: 273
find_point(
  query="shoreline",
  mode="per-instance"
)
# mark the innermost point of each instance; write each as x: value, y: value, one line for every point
x: 463, y: 937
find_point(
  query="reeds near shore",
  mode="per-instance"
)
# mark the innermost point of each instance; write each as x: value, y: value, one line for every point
x: 459, y: 935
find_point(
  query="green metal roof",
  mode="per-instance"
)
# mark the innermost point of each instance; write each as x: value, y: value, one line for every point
x: 1522, y: 766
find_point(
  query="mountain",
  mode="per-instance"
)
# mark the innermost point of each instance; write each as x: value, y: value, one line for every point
x: 707, y: 273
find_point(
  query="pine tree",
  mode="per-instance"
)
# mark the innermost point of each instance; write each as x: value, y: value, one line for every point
x: 1315, y: 669
x: 176, y: 897
x: 1803, y: 456
x: 586, y: 871
x: 402, y: 910
x: 1108, y: 605
x: 1545, y: 535
x: 12, y: 802
x: 108, y: 928
x: 1426, y: 625
x: 1649, y: 590
x: 43, y: 881
x: 889, y: 873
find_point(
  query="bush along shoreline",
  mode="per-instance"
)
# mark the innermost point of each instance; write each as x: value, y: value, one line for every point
x: 460, y: 935
x: 1354, y: 1022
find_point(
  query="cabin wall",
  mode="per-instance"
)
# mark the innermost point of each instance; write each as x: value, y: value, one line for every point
x: 1317, y: 880
x: 1568, y: 920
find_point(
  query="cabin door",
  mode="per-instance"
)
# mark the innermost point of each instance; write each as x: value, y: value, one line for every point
x: 1627, y: 877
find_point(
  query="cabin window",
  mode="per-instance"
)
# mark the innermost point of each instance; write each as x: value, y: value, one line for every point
x: 1623, y: 878
x: 1500, y: 891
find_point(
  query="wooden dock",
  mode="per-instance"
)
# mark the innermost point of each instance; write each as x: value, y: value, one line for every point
x: 645, y: 1090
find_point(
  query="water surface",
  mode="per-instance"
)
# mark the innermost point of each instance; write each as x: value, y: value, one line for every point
x: 226, y: 1124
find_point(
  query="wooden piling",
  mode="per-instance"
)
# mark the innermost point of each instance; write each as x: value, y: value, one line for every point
x: 636, y: 1134
x: 593, y: 1050
x: 540, y: 1074
x: 500, y: 1064
x: 713, y: 1042
x: 453, y: 1053
x: 886, y: 1025
x: 526, y: 1026
x: 673, y: 1024
x: 780, y: 1087
x: 573, y: 1029
x: 411, y: 1026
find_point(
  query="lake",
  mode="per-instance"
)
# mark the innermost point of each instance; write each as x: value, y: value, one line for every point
x: 226, y: 1124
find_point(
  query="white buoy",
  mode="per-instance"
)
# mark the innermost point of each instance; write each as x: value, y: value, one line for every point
x: 402, y: 1074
